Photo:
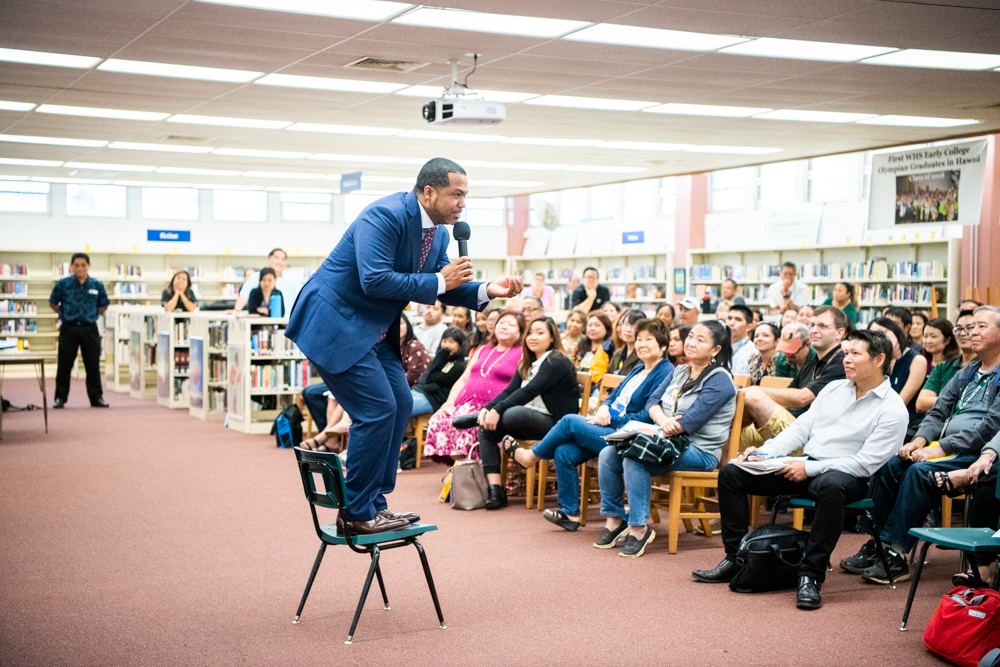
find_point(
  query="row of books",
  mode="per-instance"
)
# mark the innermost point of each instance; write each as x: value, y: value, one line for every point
x: 216, y: 397
x: 193, y: 271
x: 876, y: 268
x: 13, y: 287
x: 182, y: 328
x: 876, y: 295
x: 18, y: 326
x: 270, y: 340
x: 121, y: 349
x: 230, y: 290
x: 9, y: 307
x: 130, y: 289
x: 218, y: 333
x: 217, y: 368
x: 182, y: 361
x: 619, y: 273
x: 150, y: 322
x: 749, y: 273
x: 625, y: 292
x: 180, y: 388
x: 149, y: 355
x: 235, y: 273
x: 287, y: 374
x: 126, y: 270
x: 13, y: 269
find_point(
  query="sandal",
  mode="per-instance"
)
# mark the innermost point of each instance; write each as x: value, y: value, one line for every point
x: 509, y: 445
x: 966, y: 579
x: 941, y: 482
x: 561, y: 519
x: 317, y: 444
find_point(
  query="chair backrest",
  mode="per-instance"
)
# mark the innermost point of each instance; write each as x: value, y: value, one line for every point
x: 586, y: 382
x: 733, y: 450
x: 771, y: 382
x: 741, y: 381
x: 608, y: 384
x: 327, y: 466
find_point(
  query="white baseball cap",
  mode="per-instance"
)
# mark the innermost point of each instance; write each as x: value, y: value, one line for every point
x: 688, y: 302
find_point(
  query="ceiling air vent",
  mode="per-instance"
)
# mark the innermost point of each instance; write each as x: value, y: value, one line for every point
x: 185, y: 138
x: 385, y: 64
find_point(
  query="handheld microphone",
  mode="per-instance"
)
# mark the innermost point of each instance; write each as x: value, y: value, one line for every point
x: 462, y: 233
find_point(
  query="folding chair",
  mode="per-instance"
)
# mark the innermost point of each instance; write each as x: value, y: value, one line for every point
x: 333, y: 496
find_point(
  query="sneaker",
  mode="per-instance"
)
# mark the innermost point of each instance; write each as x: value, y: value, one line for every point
x: 634, y: 548
x: 861, y: 561
x: 610, y: 538
x: 876, y: 574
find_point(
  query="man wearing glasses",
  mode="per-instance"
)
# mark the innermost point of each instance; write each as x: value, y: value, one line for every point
x: 945, y: 371
x: 532, y: 309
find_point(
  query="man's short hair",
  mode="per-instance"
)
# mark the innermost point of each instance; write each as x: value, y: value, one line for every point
x: 966, y: 313
x: 538, y: 302
x: 877, y: 343
x: 990, y: 309
x: 840, y: 320
x: 802, y: 330
x: 744, y: 311
x: 790, y: 265
x: 80, y: 255
x: 970, y: 301
x: 435, y: 173
x: 271, y: 254
x: 590, y: 268
x: 903, y: 314
x: 730, y: 280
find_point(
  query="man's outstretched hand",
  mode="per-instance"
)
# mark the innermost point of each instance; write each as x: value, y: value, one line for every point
x: 505, y: 287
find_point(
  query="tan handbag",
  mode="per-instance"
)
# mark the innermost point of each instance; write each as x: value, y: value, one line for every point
x: 468, y: 484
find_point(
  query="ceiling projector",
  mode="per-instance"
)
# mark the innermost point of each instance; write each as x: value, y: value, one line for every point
x: 458, y: 111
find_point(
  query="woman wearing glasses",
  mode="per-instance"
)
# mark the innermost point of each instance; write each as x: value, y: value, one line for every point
x: 944, y: 371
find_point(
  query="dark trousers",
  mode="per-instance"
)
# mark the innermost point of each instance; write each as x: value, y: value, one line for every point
x: 313, y: 397
x: 85, y: 338
x: 375, y: 394
x: 984, y: 510
x: 831, y: 491
x: 521, y: 423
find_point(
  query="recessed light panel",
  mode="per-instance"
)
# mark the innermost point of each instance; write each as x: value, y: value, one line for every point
x: 44, y: 58
x: 642, y: 146
x: 333, y: 157
x: 805, y: 50
x: 596, y: 168
x: 811, y: 116
x: 249, y: 152
x: 281, y: 174
x: 655, y: 38
x: 197, y: 172
x: 345, y: 129
x: 449, y: 136
x: 362, y: 10
x: 16, y: 106
x: 550, y: 141
x: 162, y: 148
x: 93, y: 112
x: 30, y: 163
x: 434, y: 92
x: 918, y: 121
x: 937, y: 59
x: 733, y: 150
x: 705, y: 110
x: 600, y: 103
x: 327, y: 83
x: 224, y: 121
x: 104, y: 166
x: 52, y: 141
x: 178, y: 71
x: 504, y: 24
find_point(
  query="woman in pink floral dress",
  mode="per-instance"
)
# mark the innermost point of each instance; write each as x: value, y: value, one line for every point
x: 486, y: 376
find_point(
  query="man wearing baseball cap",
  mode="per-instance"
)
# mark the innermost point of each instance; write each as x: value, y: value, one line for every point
x: 687, y: 311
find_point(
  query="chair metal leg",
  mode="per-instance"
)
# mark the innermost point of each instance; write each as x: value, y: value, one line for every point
x: 381, y: 585
x: 364, y: 593
x: 918, y: 566
x: 430, y: 582
x: 881, y: 548
x: 312, y: 576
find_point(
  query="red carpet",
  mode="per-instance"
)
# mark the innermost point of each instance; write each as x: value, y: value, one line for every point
x: 142, y: 536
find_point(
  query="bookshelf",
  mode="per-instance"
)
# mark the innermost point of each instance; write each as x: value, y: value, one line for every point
x: 265, y: 372
x: 142, y: 352
x: 208, y: 379
x: 173, y: 353
x: 116, y: 348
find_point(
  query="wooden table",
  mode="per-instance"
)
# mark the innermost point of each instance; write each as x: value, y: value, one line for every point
x: 21, y: 358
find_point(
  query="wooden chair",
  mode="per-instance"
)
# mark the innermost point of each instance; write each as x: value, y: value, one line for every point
x: 681, y: 487
x: 741, y: 381
x: 757, y: 502
x: 544, y: 476
x: 419, y: 425
x: 307, y: 430
x: 588, y: 471
x: 771, y: 382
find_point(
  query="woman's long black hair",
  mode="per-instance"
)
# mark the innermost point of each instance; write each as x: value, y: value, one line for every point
x: 409, y: 332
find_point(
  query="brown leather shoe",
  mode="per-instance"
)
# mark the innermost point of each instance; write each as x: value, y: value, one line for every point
x: 379, y: 524
x: 409, y: 517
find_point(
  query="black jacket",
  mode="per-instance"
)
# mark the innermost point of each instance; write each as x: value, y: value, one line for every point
x: 436, y: 381
x: 555, y: 382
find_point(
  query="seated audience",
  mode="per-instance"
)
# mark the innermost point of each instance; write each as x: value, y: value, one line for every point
x: 907, y: 371
x: 729, y: 294
x: 939, y: 342
x: 612, y: 310
x: 543, y: 292
x: 461, y: 319
x: 788, y: 291
x: 574, y: 282
x: 843, y: 298
x: 543, y: 391
x: 758, y: 317
x: 698, y: 400
x: 916, y: 332
x: 665, y: 314
x: 739, y: 323
x: 687, y: 311
x: 769, y: 411
x: 589, y: 295
x: 789, y: 315
x: 903, y: 489
x: 944, y: 371
x: 289, y: 286
x: 178, y: 295
x: 722, y: 312
x: 448, y: 365
x: 761, y: 363
x: 625, y: 357
x: 677, y: 341
x: 904, y: 320
x: 576, y: 322
x: 485, y: 376
x: 484, y: 329
x: 259, y: 302
x: 412, y: 352
x: 594, y: 351
x: 967, y: 304
x: 805, y: 314
x: 853, y: 427
x: 531, y: 307
x: 429, y: 333
x: 576, y: 439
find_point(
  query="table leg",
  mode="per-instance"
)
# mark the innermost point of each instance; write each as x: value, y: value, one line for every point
x: 1, y: 410
x: 45, y: 399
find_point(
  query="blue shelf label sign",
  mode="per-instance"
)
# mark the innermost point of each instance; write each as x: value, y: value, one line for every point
x: 633, y: 237
x: 350, y: 182
x: 171, y: 236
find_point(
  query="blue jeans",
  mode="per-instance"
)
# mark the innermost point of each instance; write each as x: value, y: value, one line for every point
x: 618, y: 475
x: 421, y: 406
x: 571, y: 441
x: 316, y: 402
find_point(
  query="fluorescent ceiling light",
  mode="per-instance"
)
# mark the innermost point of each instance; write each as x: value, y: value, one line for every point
x: 89, y: 181
x: 643, y: 146
x: 9, y: 177
x: 250, y: 152
x: 376, y: 179
x: 528, y: 166
x: 153, y: 184
x: 30, y: 163
x: 108, y: 167
x: 705, y: 110
x: 345, y: 129
x: 807, y: 115
x: 550, y: 141
x: 282, y: 174
x: 656, y: 38
x: 449, y: 136
x: 43, y: 58
x: 92, y: 112
x: 229, y: 122
x: 362, y: 10
x: 198, y: 172
x: 178, y: 71
x: 503, y: 24
x: 603, y: 103
x: 327, y: 83
x: 52, y: 141
x: 16, y: 106
x: 163, y: 148
x: 918, y: 121
x: 502, y: 184
x: 502, y: 96
x: 734, y: 150
x: 332, y: 157
x: 376, y: 193
x: 225, y: 186
x: 325, y: 191
x: 798, y: 48
x: 605, y: 169
x: 937, y: 59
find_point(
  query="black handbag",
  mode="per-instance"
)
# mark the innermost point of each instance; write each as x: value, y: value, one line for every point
x: 769, y: 558
x: 653, y: 448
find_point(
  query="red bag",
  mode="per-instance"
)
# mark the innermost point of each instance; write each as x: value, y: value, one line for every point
x: 965, y: 626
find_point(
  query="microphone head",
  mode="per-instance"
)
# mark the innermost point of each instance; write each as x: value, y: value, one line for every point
x: 461, y: 231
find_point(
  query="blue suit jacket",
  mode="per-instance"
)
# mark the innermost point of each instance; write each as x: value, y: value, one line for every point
x: 358, y: 293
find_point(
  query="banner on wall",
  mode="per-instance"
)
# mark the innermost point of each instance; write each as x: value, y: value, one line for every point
x: 936, y: 185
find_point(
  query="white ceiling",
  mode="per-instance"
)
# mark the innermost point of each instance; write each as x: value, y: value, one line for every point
x: 196, y: 33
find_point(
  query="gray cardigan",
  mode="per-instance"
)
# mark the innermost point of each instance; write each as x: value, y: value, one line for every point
x: 706, y: 410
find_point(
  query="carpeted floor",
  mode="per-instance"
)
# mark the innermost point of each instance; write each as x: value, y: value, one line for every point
x: 142, y: 536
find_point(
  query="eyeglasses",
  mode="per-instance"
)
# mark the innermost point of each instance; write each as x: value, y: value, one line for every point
x: 817, y: 325
x: 960, y: 330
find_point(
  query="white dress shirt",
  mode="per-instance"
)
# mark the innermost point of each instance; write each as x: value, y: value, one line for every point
x: 846, y: 433
x: 288, y: 287
x: 430, y: 336
x: 801, y: 294
x: 536, y: 403
x: 742, y: 351
x: 427, y: 223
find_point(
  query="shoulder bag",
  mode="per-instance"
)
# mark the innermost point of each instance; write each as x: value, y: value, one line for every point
x: 769, y: 558
x: 653, y: 448
x: 468, y: 484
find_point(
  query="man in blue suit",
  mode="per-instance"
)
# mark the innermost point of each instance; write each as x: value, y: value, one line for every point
x: 346, y: 321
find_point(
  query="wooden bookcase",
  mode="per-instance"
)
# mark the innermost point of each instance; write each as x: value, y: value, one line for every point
x: 208, y: 379
x: 173, y: 359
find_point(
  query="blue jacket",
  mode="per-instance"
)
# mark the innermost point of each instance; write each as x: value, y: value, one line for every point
x: 358, y: 293
x: 636, y: 408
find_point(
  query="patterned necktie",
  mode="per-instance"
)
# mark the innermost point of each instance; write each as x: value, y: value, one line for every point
x: 425, y: 247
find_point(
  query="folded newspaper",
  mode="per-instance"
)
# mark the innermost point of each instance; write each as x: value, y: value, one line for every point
x: 633, y: 428
x: 765, y: 466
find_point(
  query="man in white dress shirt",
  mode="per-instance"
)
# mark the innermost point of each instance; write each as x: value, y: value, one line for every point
x: 788, y: 291
x: 854, y: 426
x: 739, y: 319
x: 277, y: 259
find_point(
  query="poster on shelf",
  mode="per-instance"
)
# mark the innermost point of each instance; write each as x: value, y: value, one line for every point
x: 195, y: 371
x: 162, y: 367
x: 940, y: 185
x: 135, y: 363
x: 235, y: 381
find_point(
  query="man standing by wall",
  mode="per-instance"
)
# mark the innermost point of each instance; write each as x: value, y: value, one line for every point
x: 79, y: 300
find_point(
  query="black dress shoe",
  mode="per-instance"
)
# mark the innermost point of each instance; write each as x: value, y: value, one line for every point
x: 99, y: 403
x: 496, y: 497
x: 409, y: 517
x: 379, y: 524
x: 808, y: 594
x: 723, y: 573
x: 58, y: 403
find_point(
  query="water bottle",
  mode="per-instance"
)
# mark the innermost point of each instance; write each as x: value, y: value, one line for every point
x: 275, y: 305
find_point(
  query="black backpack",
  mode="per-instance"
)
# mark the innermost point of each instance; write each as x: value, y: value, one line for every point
x: 287, y: 427
x: 769, y: 559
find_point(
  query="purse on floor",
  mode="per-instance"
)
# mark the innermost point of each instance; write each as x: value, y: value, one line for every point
x: 769, y: 558
x: 653, y: 448
x: 468, y: 484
